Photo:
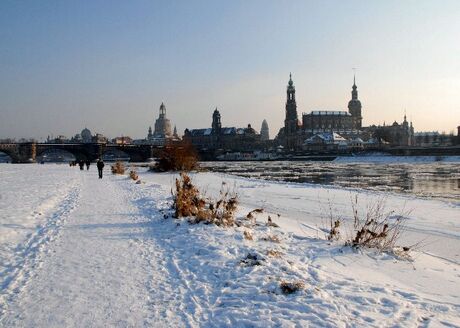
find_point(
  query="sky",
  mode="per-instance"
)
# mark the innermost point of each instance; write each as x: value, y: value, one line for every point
x: 108, y: 65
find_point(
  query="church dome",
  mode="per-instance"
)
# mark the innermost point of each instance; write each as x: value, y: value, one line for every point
x: 86, y: 135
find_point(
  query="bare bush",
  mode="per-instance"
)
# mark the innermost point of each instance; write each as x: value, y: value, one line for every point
x: 290, y: 287
x: 118, y: 168
x: 376, y: 228
x: 188, y: 202
x: 334, y: 233
x: 133, y: 175
x: 177, y: 156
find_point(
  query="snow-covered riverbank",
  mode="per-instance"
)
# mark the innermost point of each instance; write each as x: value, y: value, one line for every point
x: 78, y: 251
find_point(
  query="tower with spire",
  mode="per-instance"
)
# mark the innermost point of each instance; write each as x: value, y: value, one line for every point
x: 291, y: 120
x: 354, y: 107
x: 216, y: 123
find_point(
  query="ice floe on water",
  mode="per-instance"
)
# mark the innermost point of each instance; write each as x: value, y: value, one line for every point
x: 426, y: 176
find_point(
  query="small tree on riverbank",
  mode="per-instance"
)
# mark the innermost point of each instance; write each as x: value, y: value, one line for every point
x: 177, y: 156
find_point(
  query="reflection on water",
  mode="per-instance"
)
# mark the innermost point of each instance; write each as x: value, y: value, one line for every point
x: 426, y: 178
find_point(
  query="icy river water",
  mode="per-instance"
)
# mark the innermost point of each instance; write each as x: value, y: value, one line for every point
x: 421, y: 176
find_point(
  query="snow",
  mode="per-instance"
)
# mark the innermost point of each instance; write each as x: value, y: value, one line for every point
x: 79, y: 251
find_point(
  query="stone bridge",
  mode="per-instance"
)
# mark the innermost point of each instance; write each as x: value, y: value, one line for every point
x: 28, y: 152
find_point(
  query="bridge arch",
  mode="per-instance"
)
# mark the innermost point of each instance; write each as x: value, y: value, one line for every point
x: 55, y: 155
x: 11, y: 151
x: 114, y: 154
x: 5, y: 157
x: 78, y: 152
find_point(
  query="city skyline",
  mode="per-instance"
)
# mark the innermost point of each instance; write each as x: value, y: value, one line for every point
x: 109, y: 67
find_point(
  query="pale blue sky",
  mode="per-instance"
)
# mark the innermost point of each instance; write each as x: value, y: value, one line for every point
x: 108, y: 65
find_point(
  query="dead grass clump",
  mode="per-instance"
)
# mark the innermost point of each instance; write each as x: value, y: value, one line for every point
x: 133, y: 175
x: 271, y: 238
x: 188, y: 202
x: 118, y: 168
x: 377, y: 228
x: 274, y: 253
x: 248, y: 235
x: 290, y: 287
x: 177, y: 156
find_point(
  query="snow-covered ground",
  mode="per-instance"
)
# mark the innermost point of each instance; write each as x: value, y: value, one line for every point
x: 79, y: 251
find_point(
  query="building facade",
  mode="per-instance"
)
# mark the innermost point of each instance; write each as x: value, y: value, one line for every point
x: 347, y: 124
x: 396, y: 134
x: 223, y: 138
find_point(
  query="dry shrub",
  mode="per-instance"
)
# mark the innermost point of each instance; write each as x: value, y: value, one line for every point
x: 270, y: 223
x: 118, y: 168
x: 251, y: 216
x: 248, y: 235
x: 133, y: 175
x: 290, y: 287
x: 177, y: 156
x: 274, y: 253
x: 377, y: 228
x: 271, y: 238
x: 188, y: 202
x: 334, y: 233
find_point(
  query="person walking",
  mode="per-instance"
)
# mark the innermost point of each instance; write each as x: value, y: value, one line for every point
x: 88, y: 163
x: 81, y: 164
x: 100, y: 167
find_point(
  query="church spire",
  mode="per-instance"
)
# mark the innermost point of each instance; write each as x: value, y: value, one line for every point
x: 354, y: 106
x: 291, y: 120
x: 354, y: 92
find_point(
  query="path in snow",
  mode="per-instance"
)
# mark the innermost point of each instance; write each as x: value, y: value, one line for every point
x: 97, y: 270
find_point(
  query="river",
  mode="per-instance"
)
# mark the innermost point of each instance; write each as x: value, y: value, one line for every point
x: 422, y: 176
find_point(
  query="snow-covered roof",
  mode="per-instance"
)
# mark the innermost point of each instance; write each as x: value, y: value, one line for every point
x: 328, y: 137
x: 230, y: 130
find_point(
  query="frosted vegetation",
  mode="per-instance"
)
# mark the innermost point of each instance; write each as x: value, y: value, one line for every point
x: 79, y: 251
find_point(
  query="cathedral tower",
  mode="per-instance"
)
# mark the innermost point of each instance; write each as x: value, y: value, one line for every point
x: 290, y: 122
x: 354, y: 107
